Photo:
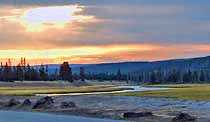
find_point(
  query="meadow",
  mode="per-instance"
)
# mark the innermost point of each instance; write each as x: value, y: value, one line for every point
x: 31, y: 89
x: 178, y: 91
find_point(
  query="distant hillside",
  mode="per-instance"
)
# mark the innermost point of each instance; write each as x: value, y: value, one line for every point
x: 126, y: 67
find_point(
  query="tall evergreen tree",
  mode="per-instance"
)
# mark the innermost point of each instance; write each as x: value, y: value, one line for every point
x: 34, y: 74
x: 119, y: 75
x: 153, y: 77
x: 65, y: 72
x: 195, y: 77
x: 82, y: 74
x: 202, y: 76
x: 42, y: 73
x: 28, y: 73
x: 7, y: 72
x: 19, y: 73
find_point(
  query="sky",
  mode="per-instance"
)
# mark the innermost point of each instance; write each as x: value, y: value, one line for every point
x: 101, y: 31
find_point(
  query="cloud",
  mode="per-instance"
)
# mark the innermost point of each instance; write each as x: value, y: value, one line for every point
x: 136, y: 23
x: 108, y: 23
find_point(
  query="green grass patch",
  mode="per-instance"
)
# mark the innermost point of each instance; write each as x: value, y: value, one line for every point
x: 178, y: 91
x: 30, y: 91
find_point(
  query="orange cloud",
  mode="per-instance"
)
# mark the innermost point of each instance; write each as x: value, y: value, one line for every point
x: 103, y: 54
x: 205, y: 48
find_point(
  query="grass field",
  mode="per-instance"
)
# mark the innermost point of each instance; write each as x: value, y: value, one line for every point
x: 178, y: 91
x: 30, y: 91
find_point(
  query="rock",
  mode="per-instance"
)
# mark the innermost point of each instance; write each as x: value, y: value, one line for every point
x: 136, y: 115
x: 26, y: 102
x: 183, y: 117
x: 68, y: 105
x: 45, y: 102
x: 12, y: 102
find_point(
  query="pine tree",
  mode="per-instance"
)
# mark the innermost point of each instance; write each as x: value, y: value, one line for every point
x: 195, y: 76
x: 28, y: 73
x: 202, y: 76
x: 82, y: 73
x: 1, y: 73
x: 173, y: 77
x: 153, y: 77
x: 34, y: 74
x: 119, y: 75
x: 42, y: 73
x: 65, y: 72
x: 187, y: 77
x: 19, y: 72
x: 6, y: 72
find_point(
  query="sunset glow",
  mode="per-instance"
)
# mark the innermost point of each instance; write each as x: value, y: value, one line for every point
x: 87, y: 32
x: 97, y: 54
x: 42, y: 18
x: 73, y: 53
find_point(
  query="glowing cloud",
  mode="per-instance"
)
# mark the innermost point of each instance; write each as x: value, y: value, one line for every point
x: 75, y: 54
x: 42, y: 18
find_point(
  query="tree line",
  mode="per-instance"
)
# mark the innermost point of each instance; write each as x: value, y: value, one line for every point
x: 156, y: 76
x: 118, y: 76
x: 24, y: 72
x: 196, y: 70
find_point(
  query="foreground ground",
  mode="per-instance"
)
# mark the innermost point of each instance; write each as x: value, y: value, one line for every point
x: 112, y: 106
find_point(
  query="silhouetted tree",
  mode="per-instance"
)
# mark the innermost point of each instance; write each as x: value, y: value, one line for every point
x: 187, y: 77
x: 119, y: 75
x: 195, y: 76
x: 153, y: 77
x: 82, y: 74
x: 202, y: 76
x: 19, y: 72
x: 43, y: 73
x: 173, y: 76
x: 34, y: 74
x: 7, y: 72
x: 28, y: 72
x: 65, y: 72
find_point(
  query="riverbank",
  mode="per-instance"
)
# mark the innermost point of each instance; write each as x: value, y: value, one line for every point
x: 113, y: 107
x: 106, y: 106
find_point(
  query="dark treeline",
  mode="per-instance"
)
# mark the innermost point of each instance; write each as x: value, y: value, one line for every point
x: 196, y: 70
x: 118, y: 76
x: 190, y: 71
x: 156, y: 76
x: 172, y: 76
x: 24, y: 72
